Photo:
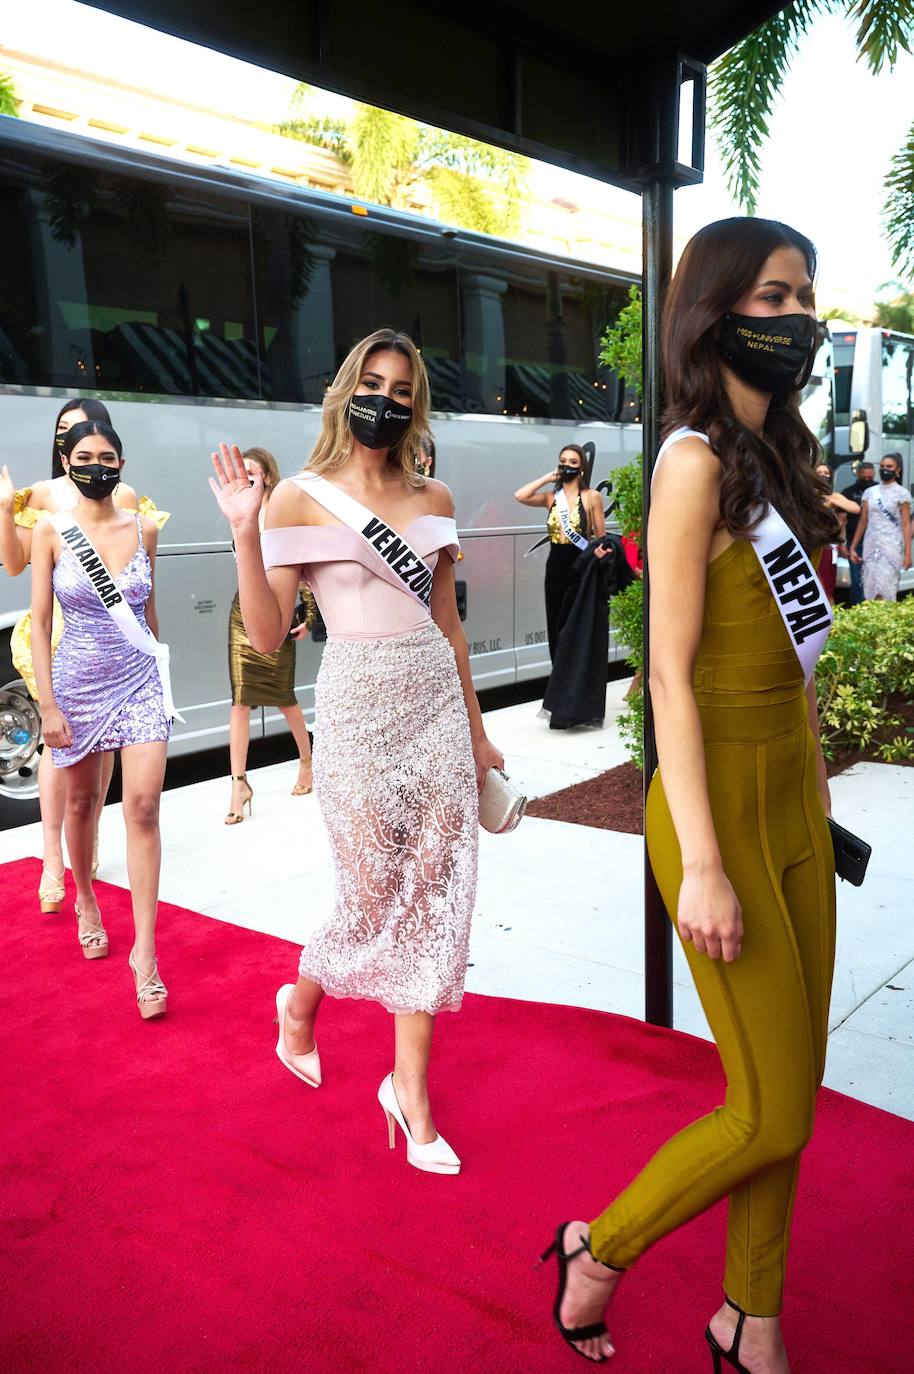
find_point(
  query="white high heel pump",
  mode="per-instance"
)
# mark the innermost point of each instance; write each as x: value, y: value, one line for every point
x: 307, y: 1067
x: 436, y: 1157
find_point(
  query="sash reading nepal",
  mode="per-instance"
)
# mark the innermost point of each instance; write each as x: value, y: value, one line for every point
x: 571, y: 534
x: 798, y: 593
x: 137, y: 636
x: 412, y: 571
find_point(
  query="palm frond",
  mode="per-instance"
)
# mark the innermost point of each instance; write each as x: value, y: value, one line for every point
x: 9, y: 103
x: 744, y: 86
x: 384, y: 148
x: 883, y: 27
x: 898, y: 211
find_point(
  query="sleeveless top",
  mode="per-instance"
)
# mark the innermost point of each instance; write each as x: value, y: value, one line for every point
x: 744, y: 644
x: 578, y: 523
x: 359, y: 595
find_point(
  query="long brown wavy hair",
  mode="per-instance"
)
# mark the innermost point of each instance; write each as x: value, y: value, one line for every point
x: 718, y: 266
x: 334, y: 443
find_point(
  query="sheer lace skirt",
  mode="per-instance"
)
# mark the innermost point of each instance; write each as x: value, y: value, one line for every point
x: 395, y: 780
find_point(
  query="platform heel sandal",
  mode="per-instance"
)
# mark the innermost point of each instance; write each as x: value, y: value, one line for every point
x: 236, y: 817
x: 50, y: 892
x: 571, y: 1334
x: 94, y: 941
x: 151, y: 992
x: 731, y: 1356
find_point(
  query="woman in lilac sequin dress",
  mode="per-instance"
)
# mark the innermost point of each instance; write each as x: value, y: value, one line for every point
x: 102, y: 693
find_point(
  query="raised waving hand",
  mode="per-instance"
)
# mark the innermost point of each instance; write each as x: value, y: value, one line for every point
x: 239, y: 495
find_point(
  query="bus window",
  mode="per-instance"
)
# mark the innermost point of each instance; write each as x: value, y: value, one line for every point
x: 897, y: 366
x: 382, y: 278
x: 844, y: 374
x: 137, y: 288
x: 292, y: 274
x: 531, y: 340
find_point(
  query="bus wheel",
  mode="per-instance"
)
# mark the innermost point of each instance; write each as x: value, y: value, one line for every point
x: 20, y: 737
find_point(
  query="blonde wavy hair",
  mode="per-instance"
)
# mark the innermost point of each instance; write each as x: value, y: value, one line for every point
x: 334, y: 443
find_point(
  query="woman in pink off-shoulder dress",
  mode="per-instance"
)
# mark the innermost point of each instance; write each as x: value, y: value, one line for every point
x: 400, y: 750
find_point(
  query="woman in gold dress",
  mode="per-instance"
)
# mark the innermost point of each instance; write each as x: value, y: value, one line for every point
x: 264, y: 679
x: 19, y: 513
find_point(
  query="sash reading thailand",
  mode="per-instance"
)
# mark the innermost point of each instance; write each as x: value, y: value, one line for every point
x: 571, y: 534
x: 411, y: 570
x: 97, y: 574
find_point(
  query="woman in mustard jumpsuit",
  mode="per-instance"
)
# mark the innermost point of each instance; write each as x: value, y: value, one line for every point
x: 736, y: 813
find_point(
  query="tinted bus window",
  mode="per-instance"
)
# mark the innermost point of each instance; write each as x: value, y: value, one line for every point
x: 897, y: 367
x: 139, y: 287
x: 844, y: 373
x: 381, y: 278
x: 531, y: 340
x: 325, y: 281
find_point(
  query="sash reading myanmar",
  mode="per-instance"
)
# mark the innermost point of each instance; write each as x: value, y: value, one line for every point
x: 411, y: 570
x: 137, y: 636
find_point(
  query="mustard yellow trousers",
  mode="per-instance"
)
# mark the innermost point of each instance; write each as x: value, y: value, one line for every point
x: 768, y: 1010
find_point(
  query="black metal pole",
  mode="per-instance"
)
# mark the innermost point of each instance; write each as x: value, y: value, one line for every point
x: 657, y: 234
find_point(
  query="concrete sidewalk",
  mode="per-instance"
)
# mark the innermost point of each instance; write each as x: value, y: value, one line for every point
x: 558, y: 916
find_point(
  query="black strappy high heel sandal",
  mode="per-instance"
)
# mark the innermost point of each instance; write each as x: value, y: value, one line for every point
x: 570, y: 1334
x: 732, y: 1355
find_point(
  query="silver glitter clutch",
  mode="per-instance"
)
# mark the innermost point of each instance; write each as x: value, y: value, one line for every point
x: 501, y: 806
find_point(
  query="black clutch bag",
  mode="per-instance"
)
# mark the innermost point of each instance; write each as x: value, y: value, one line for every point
x: 851, y: 854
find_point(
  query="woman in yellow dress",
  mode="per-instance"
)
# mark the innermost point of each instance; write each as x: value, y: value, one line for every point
x: 19, y: 513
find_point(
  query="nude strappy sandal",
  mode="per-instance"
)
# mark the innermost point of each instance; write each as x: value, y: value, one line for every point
x: 50, y: 892
x: 94, y: 941
x: 151, y: 992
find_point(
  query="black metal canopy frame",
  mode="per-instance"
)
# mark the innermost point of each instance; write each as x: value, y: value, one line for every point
x: 592, y: 87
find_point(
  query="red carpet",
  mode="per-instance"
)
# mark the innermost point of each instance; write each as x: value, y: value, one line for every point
x: 175, y: 1202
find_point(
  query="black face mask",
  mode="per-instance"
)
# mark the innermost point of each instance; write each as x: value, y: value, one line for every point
x: 888, y: 474
x: 58, y: 440
x: 567, y: 474
x: 770, y: 352
x: 94, y: 480
x: 377, y: 421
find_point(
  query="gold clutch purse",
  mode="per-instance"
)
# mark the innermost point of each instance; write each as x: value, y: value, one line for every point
x: 501, y: 806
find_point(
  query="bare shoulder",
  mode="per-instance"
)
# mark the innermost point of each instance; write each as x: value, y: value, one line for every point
x: 40, y: 498
x: 438, y: 497
x: 44, y: 537
x: 289, y: 505
x: 689, y: 470
x: 150, y: 533
x: 125, y: 497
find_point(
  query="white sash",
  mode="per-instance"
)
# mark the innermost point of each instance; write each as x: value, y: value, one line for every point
x: 571, y: 534
x: 413, y: 573
x: 798, y: 593
x: 136, y: 635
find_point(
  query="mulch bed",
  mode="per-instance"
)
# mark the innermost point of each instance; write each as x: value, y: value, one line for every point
x: 612, y: 800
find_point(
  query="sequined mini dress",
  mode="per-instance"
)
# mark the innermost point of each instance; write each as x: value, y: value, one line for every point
x: 110, y: 693
x: 393, y: 773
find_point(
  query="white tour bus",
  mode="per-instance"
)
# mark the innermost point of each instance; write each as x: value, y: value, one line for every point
x: 203, y: 304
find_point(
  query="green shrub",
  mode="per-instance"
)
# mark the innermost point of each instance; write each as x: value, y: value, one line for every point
x: 868, y: 659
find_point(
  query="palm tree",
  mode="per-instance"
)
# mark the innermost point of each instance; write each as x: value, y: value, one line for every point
x: 746, y: 80
x: 388, y: 154
x: 9, y: 103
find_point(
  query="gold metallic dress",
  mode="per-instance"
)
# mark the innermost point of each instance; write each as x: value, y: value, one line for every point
x: 262, y: 679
